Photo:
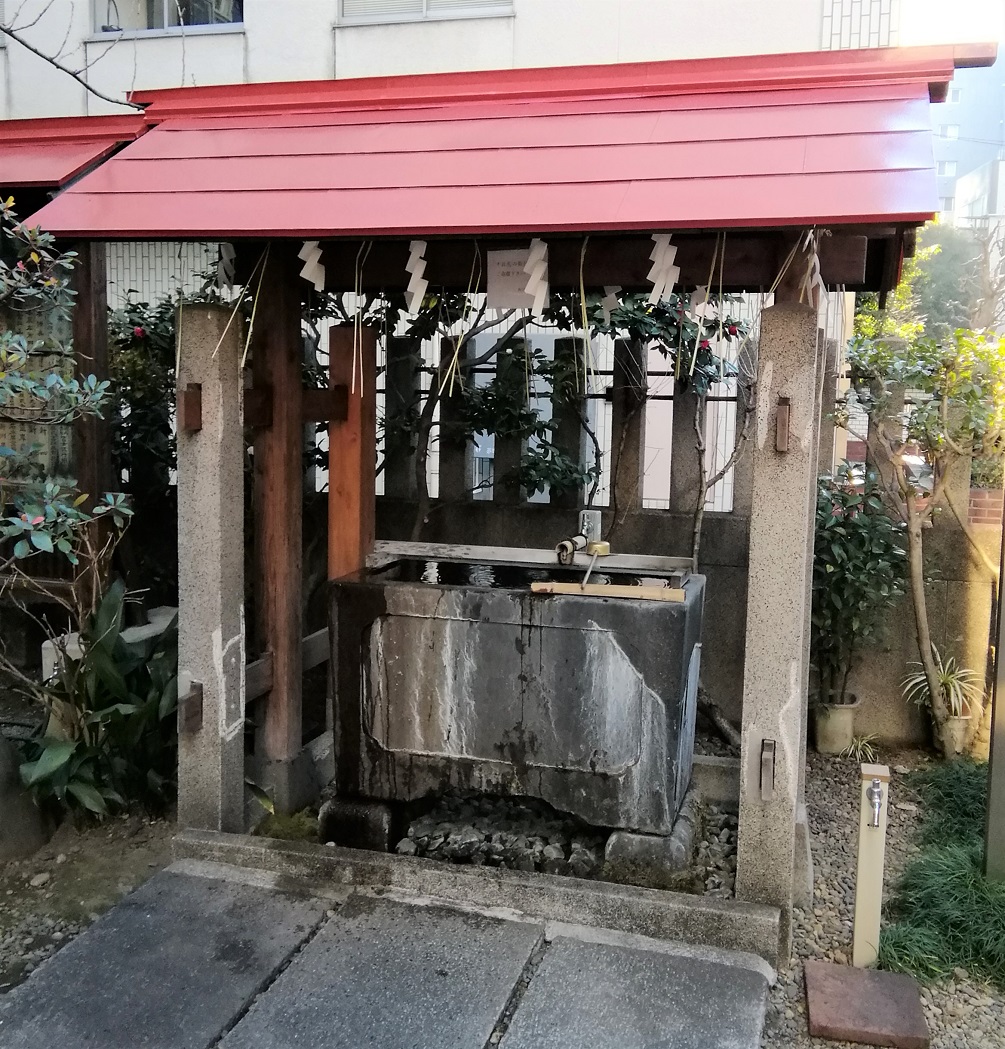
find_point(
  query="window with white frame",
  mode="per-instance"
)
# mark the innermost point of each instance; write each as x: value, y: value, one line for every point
x: 114, y: 16
x: 954, y: 95
x: 949, y: 131
x: 946, y: 168
x: 361, y: 12
x: 947, y: 204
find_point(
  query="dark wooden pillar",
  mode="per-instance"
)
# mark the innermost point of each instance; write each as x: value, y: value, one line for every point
x: 92, y: 442
x: 401, y: 395
x: 456, y: 450
x: 275, y: 406
x: 352, y: 451
x: 511, y: 368
x: 568, y: 417
x: 628, y: 426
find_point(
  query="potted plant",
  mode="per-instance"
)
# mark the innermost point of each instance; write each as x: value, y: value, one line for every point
x: 859, y: 571
x: 961, y: 690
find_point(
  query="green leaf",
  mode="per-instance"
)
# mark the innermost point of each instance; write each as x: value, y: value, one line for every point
x: 41, y: 541
x: 56, y: 754
x: 88, y: 796
x: 261, y: 796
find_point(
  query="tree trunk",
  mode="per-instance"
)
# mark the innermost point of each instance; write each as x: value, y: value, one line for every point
x: 699, y: 510
x: 916, y: 564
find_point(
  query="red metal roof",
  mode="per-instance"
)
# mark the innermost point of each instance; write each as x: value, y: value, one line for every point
x: 828, y: 138
x: 49, y: 152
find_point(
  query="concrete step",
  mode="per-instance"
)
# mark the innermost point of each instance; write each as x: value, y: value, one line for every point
x: 198, y: 958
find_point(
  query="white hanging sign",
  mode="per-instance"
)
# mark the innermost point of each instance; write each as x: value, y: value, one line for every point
x: 506, y: 280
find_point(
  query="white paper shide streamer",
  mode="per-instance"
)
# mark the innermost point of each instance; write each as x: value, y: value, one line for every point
x: 811, y: 279
x: 663, y: 274
x: 609, y: 303
x: 225, y: 267
x: 536, y: 269
x: 310, y: 255
x: 417, y: 283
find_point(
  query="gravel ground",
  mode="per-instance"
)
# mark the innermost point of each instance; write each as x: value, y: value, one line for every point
x: 961, y: 1013
x: 50, y: 897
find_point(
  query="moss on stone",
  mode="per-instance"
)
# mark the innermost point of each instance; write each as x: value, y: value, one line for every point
x: 301, y: 826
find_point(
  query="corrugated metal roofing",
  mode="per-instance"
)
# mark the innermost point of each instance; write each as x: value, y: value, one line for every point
x: 50, y: 152
x: 781, y: 140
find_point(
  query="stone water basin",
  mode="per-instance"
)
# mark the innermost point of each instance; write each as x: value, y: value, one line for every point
x: 455, y: 675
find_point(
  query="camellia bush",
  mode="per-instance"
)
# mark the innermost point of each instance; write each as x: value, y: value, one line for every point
x: 109, y: 730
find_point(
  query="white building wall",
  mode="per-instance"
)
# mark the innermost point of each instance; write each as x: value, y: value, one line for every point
x: 305, y: 40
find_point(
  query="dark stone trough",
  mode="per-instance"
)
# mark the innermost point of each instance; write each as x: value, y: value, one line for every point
x: 454, y: 676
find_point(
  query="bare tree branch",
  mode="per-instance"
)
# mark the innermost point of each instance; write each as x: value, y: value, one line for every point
x: 15, y: 35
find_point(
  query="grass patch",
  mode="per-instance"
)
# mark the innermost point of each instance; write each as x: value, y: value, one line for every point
x: 946, y: 914
x: 954, y: 796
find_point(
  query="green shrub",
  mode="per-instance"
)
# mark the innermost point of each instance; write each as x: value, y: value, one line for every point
x: 859, y: 571
x: 112, y: 736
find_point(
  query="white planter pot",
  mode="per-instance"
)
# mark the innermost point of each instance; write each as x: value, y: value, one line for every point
x: 956, y: 730
x: 835, y: 727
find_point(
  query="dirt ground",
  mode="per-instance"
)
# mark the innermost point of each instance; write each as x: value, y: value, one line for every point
x: 49, y: 898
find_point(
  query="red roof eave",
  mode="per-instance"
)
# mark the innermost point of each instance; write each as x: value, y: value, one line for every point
x: 50, y: 151
x: 927, y: 65
x: 827, y: 138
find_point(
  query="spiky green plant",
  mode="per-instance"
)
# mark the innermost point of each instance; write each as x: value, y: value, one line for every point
x: 959, y: 686
x: 861, y: 748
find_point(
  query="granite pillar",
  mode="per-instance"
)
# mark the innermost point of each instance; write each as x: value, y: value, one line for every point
x: 211, y: 637
x: 777, y: 636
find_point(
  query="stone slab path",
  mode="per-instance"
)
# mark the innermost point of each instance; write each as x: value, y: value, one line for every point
x: 191, y: 961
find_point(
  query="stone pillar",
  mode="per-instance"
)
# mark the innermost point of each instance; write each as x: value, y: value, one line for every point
x: 628, y: 426
x: 456, y: 450
x: 777, y: 637
x: 568, y: 417
x: 211, y: 643
x: 401, y: 397
x: 511, y: 367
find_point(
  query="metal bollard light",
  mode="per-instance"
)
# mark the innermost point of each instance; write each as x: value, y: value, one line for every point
x: 873, y: 807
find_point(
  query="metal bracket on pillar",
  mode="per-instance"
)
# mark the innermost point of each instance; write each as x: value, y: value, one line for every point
x: 190, y: 408
x: 767, y: 769
x: 190, y: 710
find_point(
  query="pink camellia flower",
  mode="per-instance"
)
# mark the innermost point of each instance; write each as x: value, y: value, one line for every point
x: 731, y: 329
x: 703, y: 345
x: 139, y: 332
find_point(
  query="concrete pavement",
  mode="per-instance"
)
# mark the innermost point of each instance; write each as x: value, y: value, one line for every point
x: 205, y: 955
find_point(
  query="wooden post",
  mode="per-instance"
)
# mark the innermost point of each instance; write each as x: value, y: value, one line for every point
x: 92, y: 444
x: 994, y: 831
x: 511, y: 364
x: 628, y: 425
x: 277, y: 352
x: 456, y: 450
x: 568, y: 417
x: 352, y: 451
x: 401, y: 394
